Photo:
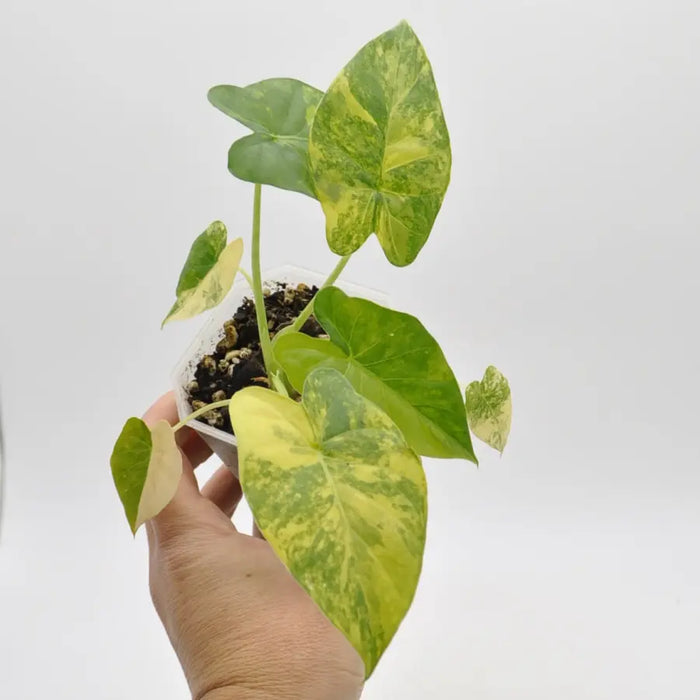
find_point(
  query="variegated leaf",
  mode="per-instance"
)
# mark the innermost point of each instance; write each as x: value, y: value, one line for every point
x: 390, y: 358
x: 146, y: 468
x: 489, y: 408
x: 207, y: 275
x: 279, y: 112
x: 380, y: 150
x: 341, y: 499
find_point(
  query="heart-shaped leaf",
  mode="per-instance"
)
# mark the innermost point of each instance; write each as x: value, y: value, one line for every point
x: 390, y: 358
x: 279, y: 111
x: 146, y: 468
x: 490, y: 409
x: 341, y: 499
x: 208, y: 274
x: 379, y: 149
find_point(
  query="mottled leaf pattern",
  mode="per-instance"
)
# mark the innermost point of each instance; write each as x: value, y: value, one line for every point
x: 208, y: 274
x: 279, y: 112
x: 380, y: 150
x: 390, y: 358
x: 490, y: 409
x: 146, y: 468
x: 341, y: 499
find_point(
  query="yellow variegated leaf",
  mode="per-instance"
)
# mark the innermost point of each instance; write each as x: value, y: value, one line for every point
x: 341, y: 499
x: 208, y: 273
x: 379, y: 149
x: 489, y: 408
x: 146, y: 467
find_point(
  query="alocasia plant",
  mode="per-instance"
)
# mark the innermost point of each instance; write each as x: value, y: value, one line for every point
x: 330, y: 455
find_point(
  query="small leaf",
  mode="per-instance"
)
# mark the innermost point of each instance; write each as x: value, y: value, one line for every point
x: 279, y: 111
x: 379, y: 149
x: 146, y: 468
x: 390, y: 358
x: 208, y: 274
x: 340, y: 498
x: 489, y: 408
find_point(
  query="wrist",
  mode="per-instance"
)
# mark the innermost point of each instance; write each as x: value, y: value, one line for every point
x: 238, y: 693
x: 230, y: 694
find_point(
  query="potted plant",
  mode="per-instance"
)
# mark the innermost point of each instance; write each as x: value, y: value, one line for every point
x: 333, y: 398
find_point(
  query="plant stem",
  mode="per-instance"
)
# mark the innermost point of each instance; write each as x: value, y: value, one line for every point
x: 247, y: 277
x: 260, y: 314
x: 309, y: 308
x: 199, y: 412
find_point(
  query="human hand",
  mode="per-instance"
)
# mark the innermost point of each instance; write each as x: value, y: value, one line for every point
x: 242, y: 627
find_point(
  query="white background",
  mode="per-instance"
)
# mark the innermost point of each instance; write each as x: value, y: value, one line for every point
x: 566, y: 253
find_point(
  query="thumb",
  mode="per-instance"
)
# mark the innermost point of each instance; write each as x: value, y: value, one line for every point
x: 177, y: 515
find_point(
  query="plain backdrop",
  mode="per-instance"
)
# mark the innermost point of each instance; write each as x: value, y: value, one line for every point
x: 566, y: 253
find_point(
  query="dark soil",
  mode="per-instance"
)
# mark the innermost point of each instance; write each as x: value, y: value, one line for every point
x: 237, y: 361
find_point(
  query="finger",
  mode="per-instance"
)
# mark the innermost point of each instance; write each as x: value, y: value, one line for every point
x: 257, y: 532
x: 163, y: 409
x: 224, y: 490
x: 193, y: 445
x: 189, y: 440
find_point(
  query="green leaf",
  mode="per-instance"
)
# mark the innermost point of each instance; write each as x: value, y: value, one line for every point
x: 379, y: 149
x: 208, y: 274
x: 390, y: 358
x: 279, y: 111
x: 490, y: 409
x: 340, y: 498
x: 146, y: 468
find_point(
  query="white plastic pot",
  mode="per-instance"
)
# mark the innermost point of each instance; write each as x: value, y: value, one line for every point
x: 222, y: 443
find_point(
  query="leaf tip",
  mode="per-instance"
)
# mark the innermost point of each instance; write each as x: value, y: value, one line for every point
x: 212, y: 92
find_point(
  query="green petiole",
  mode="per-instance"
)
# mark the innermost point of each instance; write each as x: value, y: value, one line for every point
x: 260, y: 314
x: 309, y: 308
x: 199, y: 412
